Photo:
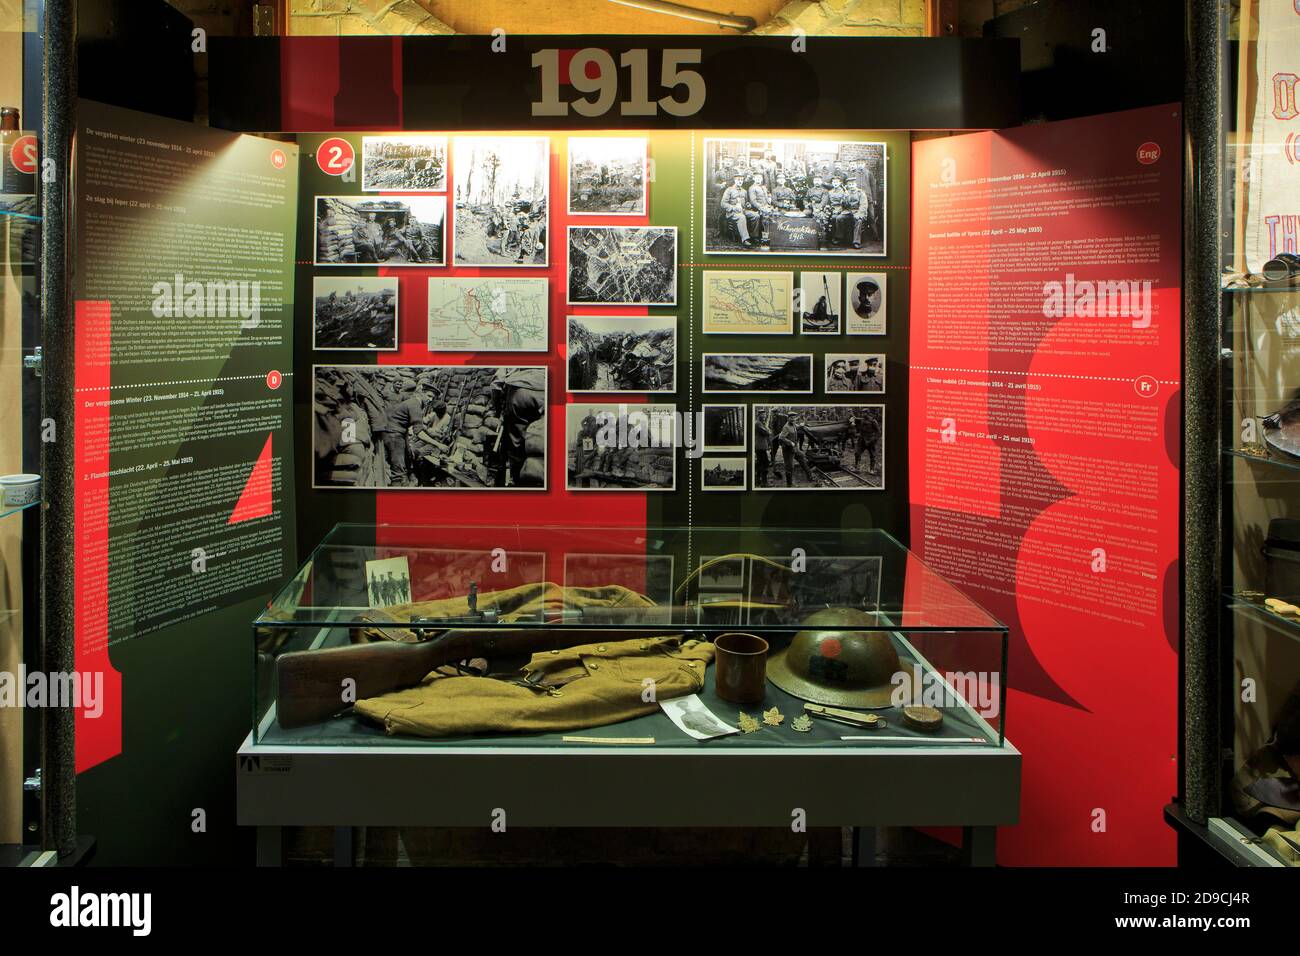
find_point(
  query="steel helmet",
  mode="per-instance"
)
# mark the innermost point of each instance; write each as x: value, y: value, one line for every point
x: 826, y: 664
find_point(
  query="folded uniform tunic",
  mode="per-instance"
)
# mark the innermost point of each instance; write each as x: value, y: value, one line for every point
x: 589, y: 685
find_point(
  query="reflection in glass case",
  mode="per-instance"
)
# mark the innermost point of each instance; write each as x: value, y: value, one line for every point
x: 670, y: 637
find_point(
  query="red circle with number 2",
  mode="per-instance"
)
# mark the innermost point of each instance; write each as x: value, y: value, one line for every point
x: 335, y: 156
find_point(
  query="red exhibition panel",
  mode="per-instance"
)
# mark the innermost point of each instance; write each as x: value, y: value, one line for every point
x: 1043, y: 441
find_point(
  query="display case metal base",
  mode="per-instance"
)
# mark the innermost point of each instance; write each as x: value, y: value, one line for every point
x: 453, y: 786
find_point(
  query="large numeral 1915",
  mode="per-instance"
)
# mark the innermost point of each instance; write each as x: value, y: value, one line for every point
x: 602, y: 89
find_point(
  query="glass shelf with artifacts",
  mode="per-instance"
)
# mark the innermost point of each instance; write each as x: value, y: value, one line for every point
x: 542, y: 636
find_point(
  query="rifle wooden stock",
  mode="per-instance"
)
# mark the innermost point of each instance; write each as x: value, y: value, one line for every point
x: 309, y: 684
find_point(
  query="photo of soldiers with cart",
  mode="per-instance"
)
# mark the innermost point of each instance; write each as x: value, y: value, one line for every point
x: 501, y: 201
x: 356, y: 230
x: 819, y: 447
x: 795, y: 197
x: 430, y: 427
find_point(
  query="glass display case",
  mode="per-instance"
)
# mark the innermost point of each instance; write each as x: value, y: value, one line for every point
x: 1241, y: 753
x: 543, y: 636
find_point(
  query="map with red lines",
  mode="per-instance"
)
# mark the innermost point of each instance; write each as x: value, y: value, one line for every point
x: 487, y: 314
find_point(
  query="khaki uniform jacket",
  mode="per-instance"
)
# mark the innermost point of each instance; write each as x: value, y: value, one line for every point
x: 590, y: 685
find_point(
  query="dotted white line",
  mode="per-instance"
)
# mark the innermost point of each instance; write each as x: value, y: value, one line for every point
x: 1088, y: 378
x: 690, y: 325
x: 196, y: 381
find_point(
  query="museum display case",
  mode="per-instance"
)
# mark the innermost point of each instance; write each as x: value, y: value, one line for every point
x: 541, y: 636
x: 1241, y: 760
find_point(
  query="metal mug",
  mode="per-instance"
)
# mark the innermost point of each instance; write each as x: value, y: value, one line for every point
x: 740, y: 667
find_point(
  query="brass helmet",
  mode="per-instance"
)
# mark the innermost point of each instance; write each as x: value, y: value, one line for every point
x: 838, y: 667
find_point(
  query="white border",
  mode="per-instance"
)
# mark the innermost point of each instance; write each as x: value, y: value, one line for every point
x: 569, y: 409
x: 744, y: 429
x: 397, y: 312
x: 704, y: 368
x: 376, y: 197
x: 753, y: 414
x: 882, y: 280
x: 744, y: 472
x: 850, y: 252
x: 789, y: 300
x: 670, y: 322
x: 830, y: 357
x: 546, y: 179
x: 546, y: 308
x: 446, y: 162
x: 568, y: 265
x: 839, y: 279
x: 645, y: 175
x: 546, y: 433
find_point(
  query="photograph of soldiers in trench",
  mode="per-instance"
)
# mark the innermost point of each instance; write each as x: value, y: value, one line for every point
x: 404, y: 163
x: 354, y: 313
x: 794, y: 196
x: 501, y: 201
x: 622, y: 353
x: 429, y: 427
x: 607, y: 176
x: 353, y: 231
x: 724, y: 427
x: 855, y: 373
x: 823, y: 447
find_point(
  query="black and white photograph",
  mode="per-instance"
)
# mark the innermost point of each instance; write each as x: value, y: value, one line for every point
x: 758, y: 372
x: 443, y: 427
x: 694, y: 719
x: 369, y: 230
x: 866, y: 312
x: 388, y: 582
x: 621, y: 446
x: 820, y: 303
x: 824, y: 581
x: 622, y: 353
x: 724, y: 427
x: 354, y: 313
x: 721, y: 572
x: 722, y: 474
x: 622, y: 265
x: 607, y: 176
x: 855, y: 373
x: 819, y: 447
x: 794, y: 197
x: 404, y: 163
x: 502, y: 200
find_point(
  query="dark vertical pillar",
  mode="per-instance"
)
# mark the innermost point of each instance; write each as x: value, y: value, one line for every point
x: 58, y: 546
x: 1201, y: 676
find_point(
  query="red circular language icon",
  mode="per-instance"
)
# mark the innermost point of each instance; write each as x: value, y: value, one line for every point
x: 1148, y: 153
x: 1146, y: 386
x: 278, y: 159
x: 23, y: 154
x: 830, y: 647
x: 335, y: 156
x: 273, y: 379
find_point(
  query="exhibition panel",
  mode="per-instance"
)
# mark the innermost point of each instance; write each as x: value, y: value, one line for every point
x: 577, y: 439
